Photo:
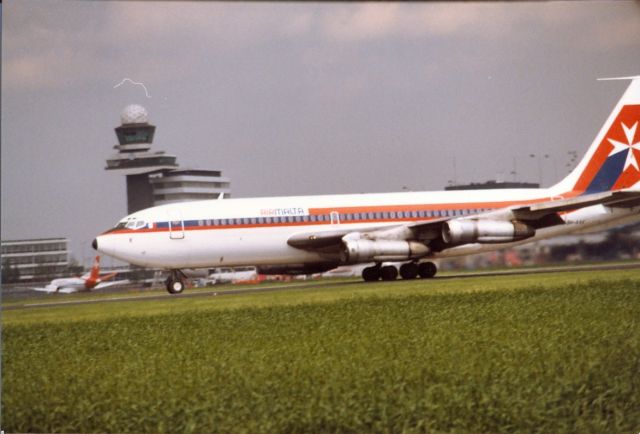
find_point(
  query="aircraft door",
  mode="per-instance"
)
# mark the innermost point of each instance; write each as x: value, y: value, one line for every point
x: 176, y: 225
x: 335, y: 217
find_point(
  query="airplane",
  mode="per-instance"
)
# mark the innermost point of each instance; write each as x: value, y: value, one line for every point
x: 313, y: 234
x: 87, y: 282
x: 233, y: 275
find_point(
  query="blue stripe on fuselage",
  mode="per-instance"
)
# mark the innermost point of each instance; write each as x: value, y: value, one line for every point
x: 608, y: 174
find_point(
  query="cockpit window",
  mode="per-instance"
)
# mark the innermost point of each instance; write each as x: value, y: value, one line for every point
x: 135, y: 224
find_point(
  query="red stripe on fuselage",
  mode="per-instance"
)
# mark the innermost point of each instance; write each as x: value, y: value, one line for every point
x: 352, y: 210
x: 433, y: 207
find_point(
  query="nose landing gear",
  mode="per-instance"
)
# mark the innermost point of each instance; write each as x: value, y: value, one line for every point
x: 176, y: 282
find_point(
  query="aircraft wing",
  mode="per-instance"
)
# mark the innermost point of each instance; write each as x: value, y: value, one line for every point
x: 112, y: 283
x: 318, y: 240
x: 108, y: 276
x: 49, y: 289
x: 72, y: 290
x: 329, y: 240
x: 539, y: 215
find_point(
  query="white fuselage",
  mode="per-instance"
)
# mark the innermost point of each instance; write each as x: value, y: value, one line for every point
x: 70, y: 283
x: 237, y: 232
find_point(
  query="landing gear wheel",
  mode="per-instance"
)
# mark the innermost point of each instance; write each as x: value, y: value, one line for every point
x: 175, y: 286
x: 409, y: 271
x: 176, y: 282
x: 371, y: 274
x: 389, y: 272
x: 427, y: 270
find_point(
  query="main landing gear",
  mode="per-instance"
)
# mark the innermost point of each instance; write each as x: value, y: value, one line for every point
x: 176, y: 282
x: 408, y: 271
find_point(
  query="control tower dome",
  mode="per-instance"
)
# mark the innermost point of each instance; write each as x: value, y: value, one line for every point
x: 135, y: 134
x: 134, y: 114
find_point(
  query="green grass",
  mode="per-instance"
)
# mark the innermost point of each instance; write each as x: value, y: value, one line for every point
x: 292, y: 294
x: 515, y: 353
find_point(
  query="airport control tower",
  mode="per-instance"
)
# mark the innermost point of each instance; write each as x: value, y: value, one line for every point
x: 135, y: 159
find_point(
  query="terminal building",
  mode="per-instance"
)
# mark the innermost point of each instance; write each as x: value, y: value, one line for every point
x: 154, y: 178
x: 181, y: 185
x: 35, y: 259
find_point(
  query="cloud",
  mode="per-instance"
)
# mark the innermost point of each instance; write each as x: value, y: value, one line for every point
x: 45, y: 49
x: 298, y: 24
x: 71, y: 44
x: 368, y: 21
x: 379, y: 20
x: 619, y: 32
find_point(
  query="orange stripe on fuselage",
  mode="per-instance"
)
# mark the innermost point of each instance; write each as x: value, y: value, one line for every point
x: 428, y: 207
x: 358, y: 209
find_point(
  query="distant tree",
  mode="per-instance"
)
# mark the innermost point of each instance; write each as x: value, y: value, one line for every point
x: 10, y: 273
x: 74, y: 268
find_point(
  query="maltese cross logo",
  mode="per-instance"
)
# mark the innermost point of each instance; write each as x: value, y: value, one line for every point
x: 629, y: 147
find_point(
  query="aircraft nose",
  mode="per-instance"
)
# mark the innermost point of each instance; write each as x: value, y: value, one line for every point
x: 94, y: 244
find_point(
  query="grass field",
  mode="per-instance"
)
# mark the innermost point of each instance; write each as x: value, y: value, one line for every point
x: 556, y: 352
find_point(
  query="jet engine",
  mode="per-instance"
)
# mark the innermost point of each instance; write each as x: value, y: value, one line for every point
x: 455, y: 232
x: 361, y: 250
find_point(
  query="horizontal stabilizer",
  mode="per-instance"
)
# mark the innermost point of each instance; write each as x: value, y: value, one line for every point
x: 631, y: 77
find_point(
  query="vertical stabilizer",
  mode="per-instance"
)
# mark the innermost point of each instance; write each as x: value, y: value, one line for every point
x: 95, y: 269
x: 612, y: 162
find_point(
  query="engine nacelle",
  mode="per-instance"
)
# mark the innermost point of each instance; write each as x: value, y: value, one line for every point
x: 455, y: 232
x: 359, y: 250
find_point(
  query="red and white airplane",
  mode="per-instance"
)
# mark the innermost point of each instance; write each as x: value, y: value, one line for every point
x: 87, y: 282
x: 310, y: 234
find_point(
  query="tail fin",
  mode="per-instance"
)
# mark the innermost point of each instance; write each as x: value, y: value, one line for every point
x: 613, y: 160
x: 95, y: 269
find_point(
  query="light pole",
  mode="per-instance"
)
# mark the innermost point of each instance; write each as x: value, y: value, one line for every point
x: 539, y: 158
x: 572, y: 160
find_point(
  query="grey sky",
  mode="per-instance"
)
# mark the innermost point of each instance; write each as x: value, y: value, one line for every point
x: 297, y: 98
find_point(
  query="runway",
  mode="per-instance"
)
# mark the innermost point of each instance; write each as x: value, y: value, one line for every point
x: 319, y: 284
